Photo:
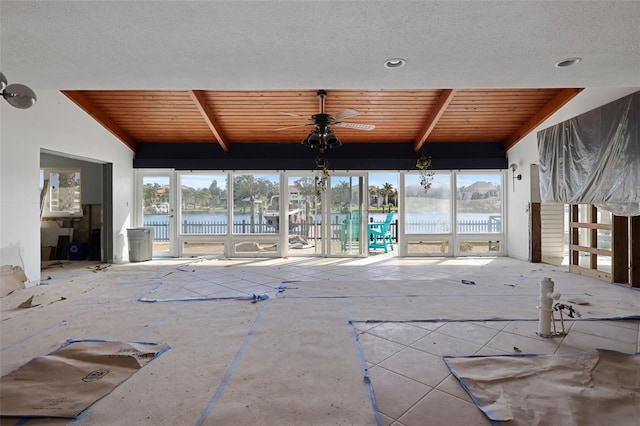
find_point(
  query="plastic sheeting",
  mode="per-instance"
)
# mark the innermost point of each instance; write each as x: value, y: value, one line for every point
x: 594, y: 158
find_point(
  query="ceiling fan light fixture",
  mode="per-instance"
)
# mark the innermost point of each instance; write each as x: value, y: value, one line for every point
x: 322, y: 136
x: 394, y: 63
x: 332, y: 141
x: 568, y: 62
x: 314, y: 140
x: 17, y: 95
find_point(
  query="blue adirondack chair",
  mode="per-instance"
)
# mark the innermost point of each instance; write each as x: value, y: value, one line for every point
x: 350, y: 230
x: 380, y: 235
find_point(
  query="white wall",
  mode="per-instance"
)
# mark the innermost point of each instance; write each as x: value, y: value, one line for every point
x: 525, y: 153
x: 54, y: 124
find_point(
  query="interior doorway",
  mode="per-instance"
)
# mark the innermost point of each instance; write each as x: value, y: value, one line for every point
x: 75, y: 208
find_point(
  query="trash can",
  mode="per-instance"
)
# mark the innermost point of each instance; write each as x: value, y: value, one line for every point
x: 140, y: 244
x: 77, y: 251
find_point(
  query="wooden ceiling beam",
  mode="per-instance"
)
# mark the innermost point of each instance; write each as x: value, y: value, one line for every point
x: 198, y: 97
x: 443, y: 101
x: 538, y: 118
x: 85, y: 103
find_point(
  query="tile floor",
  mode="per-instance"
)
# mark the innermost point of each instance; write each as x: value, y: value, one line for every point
x: 413, y: 385
x: 410, y: 381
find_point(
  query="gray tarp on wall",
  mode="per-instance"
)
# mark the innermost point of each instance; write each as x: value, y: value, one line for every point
x: 594, y: 158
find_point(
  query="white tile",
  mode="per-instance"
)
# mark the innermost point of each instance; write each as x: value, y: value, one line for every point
x: 588, y: 342
x: 488, y: 351
x: 377, y: 349
x: 632, y: 324
x: 441, y: 409
x: 514, y: 343
x: 608, y: 329
x: 399, y: 332
x: 496, y: 325
x: 395, y: 394
x: 363, y: 326
x: 418, y: 365
x: 566, y: 349
x: 530, y: 328
x: 386, y: 420
x: 441, y: 344
x: 468, y: 331
x: 428, y: 325
x: 452, y: 386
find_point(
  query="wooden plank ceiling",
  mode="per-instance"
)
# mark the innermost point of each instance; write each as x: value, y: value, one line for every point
x: 400, y: 116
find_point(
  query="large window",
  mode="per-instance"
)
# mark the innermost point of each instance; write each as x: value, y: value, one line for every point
x: 460, y: 215
x: 430, y: 212
x: 252, y: 195
x: 244, y: 213
x: 478, y: 203
x: 203, y: 204
x: 60, y: 193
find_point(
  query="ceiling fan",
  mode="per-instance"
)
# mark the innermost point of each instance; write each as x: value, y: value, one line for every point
x: 322, y: 137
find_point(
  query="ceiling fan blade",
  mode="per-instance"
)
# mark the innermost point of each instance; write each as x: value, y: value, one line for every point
x: 358, y: 126
x: 293, y: 127
x: 346, y: 113
x: 296, y: 115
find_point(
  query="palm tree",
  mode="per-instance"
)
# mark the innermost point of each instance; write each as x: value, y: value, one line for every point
x: 373, y: 191
x: 216, y: 193
x: 150, y: 193
x: 385, y: 191
x: 306, y: 187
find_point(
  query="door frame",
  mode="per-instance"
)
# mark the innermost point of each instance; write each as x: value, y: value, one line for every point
x: 141, y: 174
x: 362, y: 205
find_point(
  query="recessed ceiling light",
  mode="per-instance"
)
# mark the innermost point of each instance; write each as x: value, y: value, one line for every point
x: 394, y: 63
x: 568, y: 62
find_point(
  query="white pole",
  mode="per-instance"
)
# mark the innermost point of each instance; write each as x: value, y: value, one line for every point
x: 545, y: 308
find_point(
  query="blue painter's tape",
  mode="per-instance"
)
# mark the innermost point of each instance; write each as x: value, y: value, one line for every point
x: 363, y: 368
x: 253, y: 297
x: 230, y: 369
x: 72, y: 317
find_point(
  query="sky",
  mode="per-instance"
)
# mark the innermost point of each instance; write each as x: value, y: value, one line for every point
x: 379, y: 179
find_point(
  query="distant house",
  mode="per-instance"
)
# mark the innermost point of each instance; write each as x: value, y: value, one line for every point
x: 478, y: 190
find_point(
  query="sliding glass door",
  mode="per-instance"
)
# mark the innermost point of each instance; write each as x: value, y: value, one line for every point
x: 346, y: 215
x: 304, y: 216
x: 158, y: 210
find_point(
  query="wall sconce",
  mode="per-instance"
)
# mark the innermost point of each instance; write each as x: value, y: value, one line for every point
x: 18, y: 95
x: 514, y: 167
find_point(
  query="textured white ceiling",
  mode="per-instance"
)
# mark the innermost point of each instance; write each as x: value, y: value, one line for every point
x: 318, y: 44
